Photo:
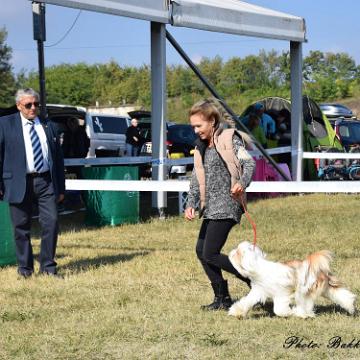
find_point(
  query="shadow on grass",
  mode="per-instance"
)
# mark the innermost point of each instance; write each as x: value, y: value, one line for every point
x: 332, y: 309
x: 83, y: 265
x: 75, y: 222
x: 266, y: 310
x: 103, y: 246
x: 260, y: 311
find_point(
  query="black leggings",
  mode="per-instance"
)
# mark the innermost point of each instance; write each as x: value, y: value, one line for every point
x: 212, y: 237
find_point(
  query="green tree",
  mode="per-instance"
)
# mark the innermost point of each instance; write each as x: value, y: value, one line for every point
x: 7, y: 80
x: 328, y: 76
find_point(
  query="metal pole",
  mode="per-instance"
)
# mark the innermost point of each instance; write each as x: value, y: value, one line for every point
x: 40, y: 35
x: 296, y: 110
x: 158, y: 113
x: 223, y: 103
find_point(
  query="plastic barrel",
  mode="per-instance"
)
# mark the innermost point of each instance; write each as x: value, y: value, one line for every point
x: 7, y: 244
x: 111, y: 207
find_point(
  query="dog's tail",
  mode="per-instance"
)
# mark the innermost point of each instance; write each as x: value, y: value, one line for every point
x: 315, y: 267
x: 319, y: 262
x: 343, y: 297
x: 315, y: 279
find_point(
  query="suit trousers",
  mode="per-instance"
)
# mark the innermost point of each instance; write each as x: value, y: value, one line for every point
x: 39, y: 190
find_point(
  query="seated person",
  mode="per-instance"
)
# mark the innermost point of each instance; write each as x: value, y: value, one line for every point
x: 267, y: 123
x: 256, y: 130
x: 283, y: 133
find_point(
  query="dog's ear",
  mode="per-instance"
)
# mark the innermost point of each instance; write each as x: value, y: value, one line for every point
x: 249, y: 258
x: 257, y: 251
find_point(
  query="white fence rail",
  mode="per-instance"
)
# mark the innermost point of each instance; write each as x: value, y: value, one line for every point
x: 183, y: 185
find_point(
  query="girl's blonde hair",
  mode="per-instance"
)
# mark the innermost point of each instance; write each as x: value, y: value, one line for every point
x: 212, y: 110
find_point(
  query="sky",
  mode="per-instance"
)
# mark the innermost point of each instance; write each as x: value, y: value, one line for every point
x: 332, y: 26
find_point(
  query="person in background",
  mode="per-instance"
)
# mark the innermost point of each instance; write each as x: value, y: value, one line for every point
x: 76, y: 143
x: 283, y: 134
x: 256, y: 130
x: 133, y: 139
x: 221, y: 208
x: 31, y: 169
x: 267, y: 123
x: 283, y: 127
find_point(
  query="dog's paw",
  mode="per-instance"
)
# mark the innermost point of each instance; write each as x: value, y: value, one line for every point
x: 298, y: 312
x: 235, y: 310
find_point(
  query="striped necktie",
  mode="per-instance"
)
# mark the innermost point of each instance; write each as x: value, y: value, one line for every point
x: 36, y: 147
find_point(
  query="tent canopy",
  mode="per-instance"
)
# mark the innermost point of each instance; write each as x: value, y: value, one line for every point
x: 237, y: 17
x: 227, y: 16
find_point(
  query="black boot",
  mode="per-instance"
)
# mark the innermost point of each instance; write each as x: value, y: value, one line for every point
x: 222, y: 299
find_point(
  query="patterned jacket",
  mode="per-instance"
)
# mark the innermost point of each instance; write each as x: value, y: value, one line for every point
x: 216, y: 170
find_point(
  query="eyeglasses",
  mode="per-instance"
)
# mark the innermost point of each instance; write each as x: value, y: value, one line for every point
x: 29, y: 105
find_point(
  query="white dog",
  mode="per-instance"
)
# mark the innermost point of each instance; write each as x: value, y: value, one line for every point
x: 303, y: 281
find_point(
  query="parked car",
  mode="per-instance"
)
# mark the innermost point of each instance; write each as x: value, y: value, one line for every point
x: 348, y: 132
x: 106, y: 132
x: 336, y: 111
x: 175, y: 148
x: 180, y: 139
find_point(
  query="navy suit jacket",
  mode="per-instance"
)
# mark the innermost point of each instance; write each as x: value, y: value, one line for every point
x: 13, y: 158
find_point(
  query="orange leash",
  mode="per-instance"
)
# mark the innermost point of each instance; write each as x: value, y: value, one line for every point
x: 251, y: 221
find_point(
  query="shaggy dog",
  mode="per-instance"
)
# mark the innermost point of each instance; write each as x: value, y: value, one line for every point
x: 302, y: 281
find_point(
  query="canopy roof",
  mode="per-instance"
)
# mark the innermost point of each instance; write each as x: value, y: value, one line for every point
x: 227, y: 16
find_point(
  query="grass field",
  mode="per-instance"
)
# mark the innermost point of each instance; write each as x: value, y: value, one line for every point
x: 134, y: 291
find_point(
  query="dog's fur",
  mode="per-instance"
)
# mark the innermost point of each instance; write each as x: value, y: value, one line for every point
x: 301, y: 281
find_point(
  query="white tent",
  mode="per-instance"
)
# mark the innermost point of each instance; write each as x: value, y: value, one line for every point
x: 227, y: 16
x: 237, y: 17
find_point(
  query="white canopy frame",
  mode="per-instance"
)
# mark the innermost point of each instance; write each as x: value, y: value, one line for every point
x: 227, y: 16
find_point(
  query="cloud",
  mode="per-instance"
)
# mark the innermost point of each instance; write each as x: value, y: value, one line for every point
x: 196, y: 59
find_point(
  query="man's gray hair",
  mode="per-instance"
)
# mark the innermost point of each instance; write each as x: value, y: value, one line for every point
x: 26, y: 92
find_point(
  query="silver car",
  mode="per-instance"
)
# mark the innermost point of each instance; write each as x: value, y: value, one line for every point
x: 336, y: 111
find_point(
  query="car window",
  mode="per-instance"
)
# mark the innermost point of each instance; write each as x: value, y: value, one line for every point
x: 351, y: 132
x: 182, y: 134
x: 355, y: 133
x: 344, y: 131
x: 109, y: 124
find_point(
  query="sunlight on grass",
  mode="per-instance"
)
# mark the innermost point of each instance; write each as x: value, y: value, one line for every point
x: 134, y: 291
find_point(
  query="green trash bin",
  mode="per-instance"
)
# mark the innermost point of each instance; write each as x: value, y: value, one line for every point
x: 7, y: 244
x: 111, y: 207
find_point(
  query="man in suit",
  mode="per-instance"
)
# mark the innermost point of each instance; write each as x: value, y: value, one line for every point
x: 31, y: 169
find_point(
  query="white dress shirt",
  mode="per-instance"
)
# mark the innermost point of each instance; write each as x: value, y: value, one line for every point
x: 28, y: 147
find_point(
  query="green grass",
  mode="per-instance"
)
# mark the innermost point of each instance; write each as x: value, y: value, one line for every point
x: 134, y: 291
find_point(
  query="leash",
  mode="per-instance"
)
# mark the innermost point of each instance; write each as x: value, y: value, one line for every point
x: 251, y: 221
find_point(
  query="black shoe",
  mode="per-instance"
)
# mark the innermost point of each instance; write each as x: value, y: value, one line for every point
x: 25, y: 274
x: 222, y: 299
x: 215, y: 305
x: 226, y: 303
x: 218, y: 304
x: 51, y: 274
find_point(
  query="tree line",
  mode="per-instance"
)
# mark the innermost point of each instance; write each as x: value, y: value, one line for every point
x: 326, y: 77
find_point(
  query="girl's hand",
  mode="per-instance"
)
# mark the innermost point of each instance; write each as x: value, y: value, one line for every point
x: 237, y: 190
x: 189, y: 213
